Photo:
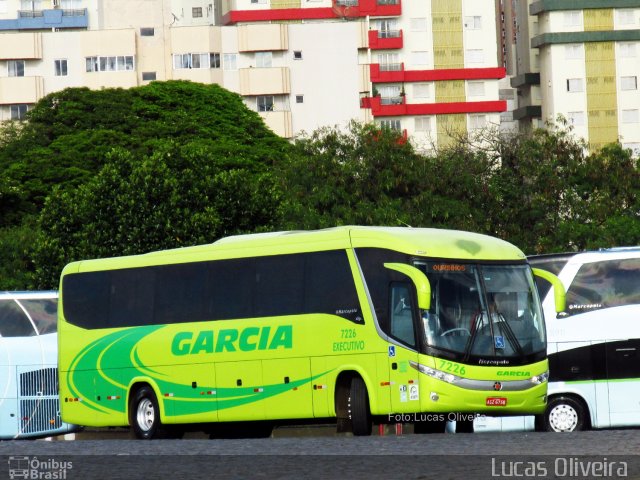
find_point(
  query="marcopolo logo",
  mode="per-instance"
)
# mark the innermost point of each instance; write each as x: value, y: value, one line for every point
x: 513, y: 373
x: 232, y: 340
x: 35, y: 468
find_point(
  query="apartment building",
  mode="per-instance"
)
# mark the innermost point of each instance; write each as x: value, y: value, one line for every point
x: 427, y: 68
x: 581, y: 60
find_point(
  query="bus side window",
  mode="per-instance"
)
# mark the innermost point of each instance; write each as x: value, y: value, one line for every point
x: 401, y: 325
x: 13, y: 321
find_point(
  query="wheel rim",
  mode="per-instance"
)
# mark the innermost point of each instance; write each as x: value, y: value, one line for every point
x: 146, y: 415
x: 563, y: 418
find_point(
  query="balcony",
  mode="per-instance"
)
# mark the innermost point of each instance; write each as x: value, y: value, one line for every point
x: 385, y: 40
x: 21, y: 90
x: 47, y: 19
x: 265, y: 81
x: 389, y: 108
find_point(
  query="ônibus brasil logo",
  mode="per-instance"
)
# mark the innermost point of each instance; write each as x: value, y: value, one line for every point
x: 31, y: 468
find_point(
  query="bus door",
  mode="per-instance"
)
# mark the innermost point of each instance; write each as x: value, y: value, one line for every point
x: 402, y: 349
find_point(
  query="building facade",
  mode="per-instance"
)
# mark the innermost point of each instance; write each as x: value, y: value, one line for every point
x: 580, y: 60
x: 427, y: 68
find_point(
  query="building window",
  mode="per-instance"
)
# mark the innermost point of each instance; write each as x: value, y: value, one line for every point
x: 297, y: 55
x: 109, y: 64
x: 421, y: 90
x: 147, y: 32
x: 16, y: 68
x: 196, y: 12
x: 391, y: 124
x: 629, y: 83
x: 420, y: 58
x: 230, y: 61
x: 390, y: 95
x: 389, y: 62
x: 423, y: 124
x: 388, y: 28
x: 265, y: 103
x: 576, y: 118
x: 475, y: 56
x: 626, y: 16
x: 573, y: 51
x: 299, y: 98
x: 18, y: 112
x: 196, y: 60
x: 631, y: 116
x: 418, y: 24
x: 477, y: 121
x: 60, y: 67
x: 264, y: 59
x: 214, y: 60
x: 148, y: 76
x: 574, y: 85
x: 473, y: 23
x: 627, y: 49
x: 476, y: 89
x: 573, y: 18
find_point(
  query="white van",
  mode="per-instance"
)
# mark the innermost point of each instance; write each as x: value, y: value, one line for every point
x: 593, y: 347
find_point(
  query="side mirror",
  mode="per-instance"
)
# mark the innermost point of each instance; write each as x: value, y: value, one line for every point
x: 419, y: 279
x: 559, y: 294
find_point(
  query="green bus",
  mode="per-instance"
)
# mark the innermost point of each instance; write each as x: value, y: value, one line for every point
x: 359, y: 325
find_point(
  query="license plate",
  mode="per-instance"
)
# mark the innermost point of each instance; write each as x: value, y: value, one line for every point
x: 496, y: 402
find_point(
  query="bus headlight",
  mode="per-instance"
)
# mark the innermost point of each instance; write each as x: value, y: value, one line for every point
x: 437, y: 374
x: 538, y: 379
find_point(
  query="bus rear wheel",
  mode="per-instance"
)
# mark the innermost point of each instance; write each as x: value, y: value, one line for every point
x: 358, y: 405
x: 564, y: 414
x: 144, y: 414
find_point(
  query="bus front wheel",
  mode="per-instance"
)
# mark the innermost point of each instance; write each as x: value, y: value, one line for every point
x: 358, y: 405
x: 144, y: 414
x: 564, y: 414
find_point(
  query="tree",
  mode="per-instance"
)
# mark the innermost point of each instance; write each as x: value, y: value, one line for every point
x: 534, y: 186
x: 178, y: 196
x: 168, y: 129
x: 69, y: 133
x: 361, y: 175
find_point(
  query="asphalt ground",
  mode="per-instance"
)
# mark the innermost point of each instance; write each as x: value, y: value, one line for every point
x: 319, y: 453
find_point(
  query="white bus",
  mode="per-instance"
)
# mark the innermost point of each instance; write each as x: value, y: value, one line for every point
x: 29, y: 402
x: 593, y: 347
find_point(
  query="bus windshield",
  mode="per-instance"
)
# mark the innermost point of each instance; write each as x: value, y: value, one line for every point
x: 487, y: 311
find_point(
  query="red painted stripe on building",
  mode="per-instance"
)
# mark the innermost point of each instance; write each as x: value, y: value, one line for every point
x: 363, y: 9
x: 236, y: 16
x: 491, y: 73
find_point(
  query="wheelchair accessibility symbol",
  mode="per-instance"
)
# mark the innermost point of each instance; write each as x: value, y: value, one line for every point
x: 499, y: 341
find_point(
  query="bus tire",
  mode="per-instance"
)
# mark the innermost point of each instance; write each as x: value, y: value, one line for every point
x: 358, y: 405
x: 144, y: 413
x: 565, y: 414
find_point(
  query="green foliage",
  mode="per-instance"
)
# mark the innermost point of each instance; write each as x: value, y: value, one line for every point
x: 360, y: 176
x: 69, y: 133
x: 127, y: 171
x: 179, y: 196
x: 16, y: 251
